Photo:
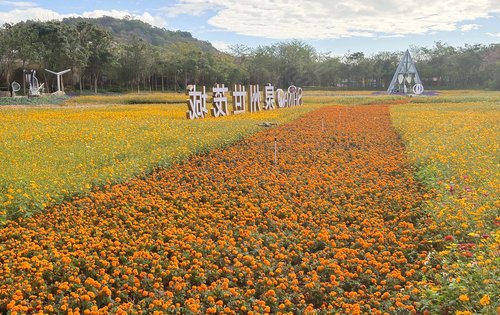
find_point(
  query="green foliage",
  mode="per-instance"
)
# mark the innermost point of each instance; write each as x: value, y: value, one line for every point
x: 42, y: 100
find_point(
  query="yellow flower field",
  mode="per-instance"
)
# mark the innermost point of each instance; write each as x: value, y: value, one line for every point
x: 455, y: 148
x: 48, y: 154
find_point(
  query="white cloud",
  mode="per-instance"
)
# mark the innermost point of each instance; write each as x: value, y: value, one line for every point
x: 469, y: 27
x: 18, y: 15
x: 41, y: 14
x: 222, y: 46
x: 493, y: 35
x: 326, y: 19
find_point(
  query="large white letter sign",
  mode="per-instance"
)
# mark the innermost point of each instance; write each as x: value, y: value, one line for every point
x: 219, y: 101
x: 269, y: 97
x: 273, y: 98
x: 294, y: 96
x: 291, y: 96
x: 418, y: 89
x: 281, y: 98
x: 254, y: 99
x: 197, y: 103
x: 300, y: 101
x: 239, y: 97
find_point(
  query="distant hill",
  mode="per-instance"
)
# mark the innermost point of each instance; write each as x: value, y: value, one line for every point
x: 126, y: 29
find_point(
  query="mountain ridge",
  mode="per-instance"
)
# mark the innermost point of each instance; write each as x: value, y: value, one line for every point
x: 125, y: 29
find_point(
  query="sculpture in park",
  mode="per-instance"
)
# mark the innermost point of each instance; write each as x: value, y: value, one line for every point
x: 405, y: 74
x: 60, y: 85
x: 14, y: 87
x: 34, y: 86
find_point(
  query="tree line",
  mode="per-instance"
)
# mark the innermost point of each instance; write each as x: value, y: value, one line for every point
x: 102, y: 61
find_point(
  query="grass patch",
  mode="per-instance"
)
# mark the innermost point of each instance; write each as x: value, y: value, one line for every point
x: 41, y: 100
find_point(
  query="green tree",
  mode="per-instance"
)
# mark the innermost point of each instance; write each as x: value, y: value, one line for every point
x: 490, y: 67
x: 329, y: 71
x: 296, y: 61
x: 384, y: 65
x: 92, y: 52
x: 8, y: 54
x: 134, y: 62
x: 24, y: 38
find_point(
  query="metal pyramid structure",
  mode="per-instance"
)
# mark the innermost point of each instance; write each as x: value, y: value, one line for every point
x: 406, y: 79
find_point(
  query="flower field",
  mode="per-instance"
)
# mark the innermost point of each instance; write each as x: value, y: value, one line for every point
x: 457, y: 156
x: 386, y: 208
x: 336, y: 225
x: 50, y: 154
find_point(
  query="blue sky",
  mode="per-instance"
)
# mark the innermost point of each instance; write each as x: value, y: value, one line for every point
x: 335, y: 26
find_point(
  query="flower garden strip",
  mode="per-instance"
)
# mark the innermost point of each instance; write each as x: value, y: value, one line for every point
x: 457, y: 157
x: 335, y: 226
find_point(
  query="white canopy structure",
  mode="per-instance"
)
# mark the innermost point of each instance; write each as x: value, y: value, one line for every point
x: 406, y: 79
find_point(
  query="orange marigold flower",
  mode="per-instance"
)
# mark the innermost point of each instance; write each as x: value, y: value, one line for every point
x: 485, y: 300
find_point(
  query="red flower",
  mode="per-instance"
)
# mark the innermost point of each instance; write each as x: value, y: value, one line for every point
x: 465, y: 246
x: 467, y: 253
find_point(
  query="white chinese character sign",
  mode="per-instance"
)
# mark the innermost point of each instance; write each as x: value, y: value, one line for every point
x: 197, y: 102
x: 219, y: 101
x: 254, y: 99
x: 269, y: 97
x: 239, y: 99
